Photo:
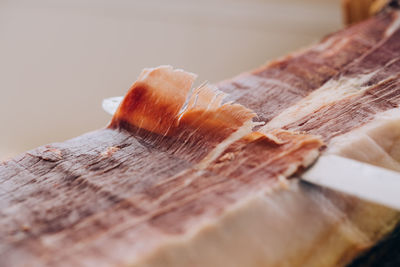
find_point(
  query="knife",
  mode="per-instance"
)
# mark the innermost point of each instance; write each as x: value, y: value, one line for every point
x: 359, y: 179
x: 345, y: 175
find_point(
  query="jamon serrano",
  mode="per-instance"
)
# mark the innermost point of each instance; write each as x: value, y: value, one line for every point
x: 148, y: 179
x: 180, y: 177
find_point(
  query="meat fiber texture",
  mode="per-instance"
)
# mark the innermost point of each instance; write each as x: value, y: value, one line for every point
x: 181, y: 178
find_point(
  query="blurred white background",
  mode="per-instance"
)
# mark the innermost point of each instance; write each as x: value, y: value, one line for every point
x: 59, y: 59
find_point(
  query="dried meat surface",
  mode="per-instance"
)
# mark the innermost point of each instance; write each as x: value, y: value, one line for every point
x: 180, y: 179
x: 161, y: 170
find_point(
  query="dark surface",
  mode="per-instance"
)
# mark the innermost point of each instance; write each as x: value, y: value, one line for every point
x: 385, y: 254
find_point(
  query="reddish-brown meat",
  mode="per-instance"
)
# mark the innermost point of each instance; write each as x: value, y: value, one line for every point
x: 180, y: 178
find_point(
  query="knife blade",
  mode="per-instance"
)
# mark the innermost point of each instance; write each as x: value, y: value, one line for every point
x: 345, y: 175
x: 111, y: 104
x: 359, y: 179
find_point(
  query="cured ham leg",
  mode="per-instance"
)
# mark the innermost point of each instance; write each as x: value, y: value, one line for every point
x: 182, y: 178
x: 161, y: 172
